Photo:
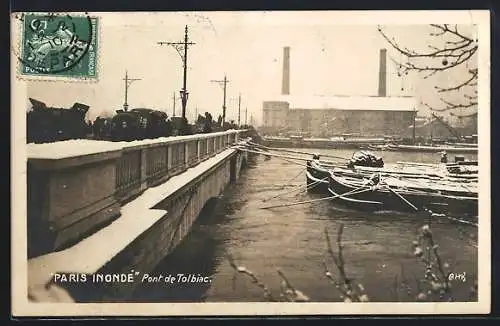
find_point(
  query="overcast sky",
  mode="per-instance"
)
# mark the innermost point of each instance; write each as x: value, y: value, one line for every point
x: 329, y: 56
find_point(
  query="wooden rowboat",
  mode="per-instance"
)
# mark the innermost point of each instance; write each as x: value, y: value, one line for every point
x: 317, y: 177
x: 439, y: 171
x: 434, y: 149
x: 364, y: 194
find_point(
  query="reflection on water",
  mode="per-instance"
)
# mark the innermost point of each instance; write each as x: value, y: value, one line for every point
x: 378, y: 247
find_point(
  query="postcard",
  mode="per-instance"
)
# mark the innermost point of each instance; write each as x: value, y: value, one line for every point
x: 250, y: 163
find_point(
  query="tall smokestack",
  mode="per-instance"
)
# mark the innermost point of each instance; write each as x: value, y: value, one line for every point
x: 285, y: 85
x: 382, y: 82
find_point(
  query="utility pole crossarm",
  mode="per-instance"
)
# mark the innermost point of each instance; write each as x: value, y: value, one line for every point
x: 180, y: 47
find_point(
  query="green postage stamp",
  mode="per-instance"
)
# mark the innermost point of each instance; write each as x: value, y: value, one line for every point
x: 59, y: 45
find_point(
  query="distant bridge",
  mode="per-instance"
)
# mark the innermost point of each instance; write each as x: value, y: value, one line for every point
x: 104, y: 207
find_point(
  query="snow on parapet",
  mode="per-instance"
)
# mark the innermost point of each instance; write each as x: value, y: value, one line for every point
x: 81, y: 147
x: 137, y: 216
x: 70, y: 148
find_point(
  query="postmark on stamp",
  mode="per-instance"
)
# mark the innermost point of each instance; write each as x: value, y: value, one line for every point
x: 58, y: 45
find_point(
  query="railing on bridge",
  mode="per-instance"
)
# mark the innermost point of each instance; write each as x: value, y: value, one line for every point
x: 128, y: 172
x: 156, y: 163
x: 89, y: 188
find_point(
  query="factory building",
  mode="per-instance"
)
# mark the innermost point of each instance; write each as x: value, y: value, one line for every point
x: 326, y: 116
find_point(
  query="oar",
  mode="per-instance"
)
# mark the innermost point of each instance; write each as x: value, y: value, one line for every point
x: 311, y: 185
x: 351, y: 192
x: 402, y: 198
x: 399, y: 195
x: 294, y: 190
x: 295, y: 177
x: 307, y: 186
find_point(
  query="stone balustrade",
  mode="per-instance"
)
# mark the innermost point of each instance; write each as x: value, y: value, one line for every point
x: 70, y: 196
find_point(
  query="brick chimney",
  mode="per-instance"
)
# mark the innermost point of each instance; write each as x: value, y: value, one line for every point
x: 285, y: 85
x: 382, y: 76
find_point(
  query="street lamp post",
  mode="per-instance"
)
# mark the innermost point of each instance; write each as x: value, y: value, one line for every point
x: 182, y: 50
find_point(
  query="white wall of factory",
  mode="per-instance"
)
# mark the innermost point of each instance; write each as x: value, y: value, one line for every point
x: 334, y: 115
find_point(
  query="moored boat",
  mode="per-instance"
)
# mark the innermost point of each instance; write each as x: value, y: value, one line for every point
x: 433, y: 149
x: 317, y: 177
x: 384, y: 194
x: 317, y: 174
x: 438, y: 171
x: 384, y: 147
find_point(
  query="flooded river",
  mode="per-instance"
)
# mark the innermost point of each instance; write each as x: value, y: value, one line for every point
x: 378, y: 248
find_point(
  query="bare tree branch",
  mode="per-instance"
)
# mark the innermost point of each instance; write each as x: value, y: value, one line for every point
x: 451, y: 106
x: 468, y: 82
x: 454, y: 50
x: 462, y: 52
x: 346, y: 286
x: 288, y: 292
x: 464, y: 115
x: 243, y: 270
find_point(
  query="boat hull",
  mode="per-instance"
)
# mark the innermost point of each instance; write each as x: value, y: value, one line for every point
x: 434, y: 149
x: 317, y: 178
x: 382, y: 199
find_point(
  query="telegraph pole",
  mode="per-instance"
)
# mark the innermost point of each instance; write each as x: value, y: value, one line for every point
x: 128, y: 81
x: 223, y: 83
x: 239, y: 108
x: 182, y: 50
x: 246, y: 109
